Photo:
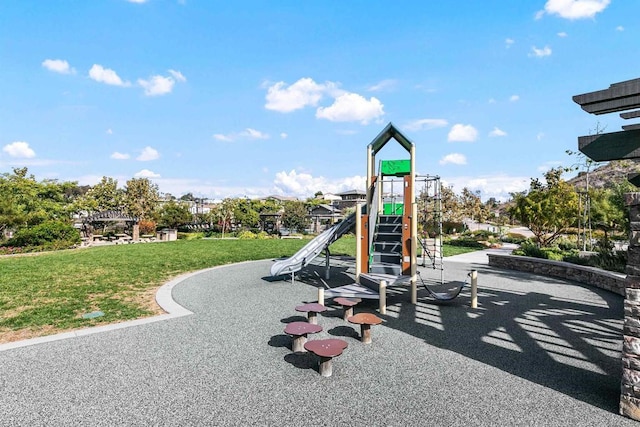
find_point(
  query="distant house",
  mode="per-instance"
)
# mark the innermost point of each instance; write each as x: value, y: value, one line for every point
x: 351, y: 198
x: 323, y: 216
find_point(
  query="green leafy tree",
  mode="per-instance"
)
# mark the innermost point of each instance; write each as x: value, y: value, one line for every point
x: 246, y: 213
x: 548, y: 209
x: 141, y: 197
x: 295, y: 215
x: 173, y: 215
x: 104, y: 196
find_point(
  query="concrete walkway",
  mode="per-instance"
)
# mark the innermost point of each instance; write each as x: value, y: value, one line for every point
x: 538, y: 351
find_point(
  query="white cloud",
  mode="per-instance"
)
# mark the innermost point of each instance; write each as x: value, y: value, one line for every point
x: 462, y: 133
x: 58, y: 66
x: 109, y: 131
x: 619, y: 28
x: 420, y: 124
x: 106, y: 76
x: 161, y: 85
x: 514, y: 98
x: 454, y: 158
x: 137, y: 1
x: 509, y: 42
x: 19, y: 149
x: 120, y: 156
x: 384, y: 85
x: 562, y: 34
x: 540, y: 53
x: 305, y: 92
x: 498, y: 186
x: 575, y: 9
x: 351, y: 107
x: 284, y: 135
x: 248, y: 133
x: 304, y: 184
x: 540, y: 136
x: 253, y: 134
x: 222, y: 137
x: 148, y: 154
x: 497, y: 132
x: 178, y: 76
x: 146, y: 173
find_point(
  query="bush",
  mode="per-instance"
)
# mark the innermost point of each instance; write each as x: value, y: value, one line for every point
x: 48, y: 235
x: 514, y: 238
x: 530, y: 249
x: 246, y: 235
x: 147, y: 227
x: 466, y: 242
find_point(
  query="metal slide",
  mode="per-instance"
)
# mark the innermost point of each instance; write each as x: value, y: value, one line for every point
x: 312, y: 249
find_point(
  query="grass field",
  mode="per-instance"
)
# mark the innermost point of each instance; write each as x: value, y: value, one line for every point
x: 49, y: 292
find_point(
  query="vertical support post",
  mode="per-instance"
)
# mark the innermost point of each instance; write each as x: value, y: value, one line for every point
x: 327, y: 265
x: 474, y: 288
x: 359, y: 238
x: 383, y: 297
x: 321, y: 296
x: 293, y: 279
x: 414, y: 252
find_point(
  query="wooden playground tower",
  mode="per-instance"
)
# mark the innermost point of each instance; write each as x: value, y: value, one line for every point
x: 369, y: 262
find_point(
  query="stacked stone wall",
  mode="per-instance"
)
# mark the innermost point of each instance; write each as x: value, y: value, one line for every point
x: 603, y: 279
x: 630, y: 389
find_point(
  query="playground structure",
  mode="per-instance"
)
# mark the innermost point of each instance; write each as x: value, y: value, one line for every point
x: 386, y: 227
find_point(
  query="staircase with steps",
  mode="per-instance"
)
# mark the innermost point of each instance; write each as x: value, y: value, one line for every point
x: 386, y: 256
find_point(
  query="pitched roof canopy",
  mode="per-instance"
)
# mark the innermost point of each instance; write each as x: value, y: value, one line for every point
x: 390, y: 131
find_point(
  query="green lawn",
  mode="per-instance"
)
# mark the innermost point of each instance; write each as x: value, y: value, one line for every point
x: 49, y: 292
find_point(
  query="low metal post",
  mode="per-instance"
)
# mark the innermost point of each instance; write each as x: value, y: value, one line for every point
x: 474, y: 288
x: 321, y: 296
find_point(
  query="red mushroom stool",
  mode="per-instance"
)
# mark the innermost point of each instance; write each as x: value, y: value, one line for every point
x: 347, y: 305
x: 365, y: 320
x: 326, y: 350
x: 299, y: 331
x: 312, y: 309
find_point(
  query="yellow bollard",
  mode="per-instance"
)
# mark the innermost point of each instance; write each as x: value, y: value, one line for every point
x: 474, y: 288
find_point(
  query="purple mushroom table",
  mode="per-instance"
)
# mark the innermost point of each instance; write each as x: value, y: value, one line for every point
x: 326, y: 350
x: 312, y: 309
x: 347, y: 305
x: 299, y: 331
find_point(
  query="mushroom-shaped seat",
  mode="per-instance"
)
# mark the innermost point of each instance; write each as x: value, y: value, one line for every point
x: 347, y: 305
x: 365, y: 320
x: 326, y: 350
x: 299, y: 331
x: 312, y: 309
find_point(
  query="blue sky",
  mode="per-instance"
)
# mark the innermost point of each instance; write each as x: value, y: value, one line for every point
x: 251, y: 98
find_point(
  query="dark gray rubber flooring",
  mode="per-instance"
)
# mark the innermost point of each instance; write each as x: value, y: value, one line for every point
x: 537, y: 351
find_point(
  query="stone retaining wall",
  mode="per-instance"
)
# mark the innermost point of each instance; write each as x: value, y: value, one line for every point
x: 614, y: 282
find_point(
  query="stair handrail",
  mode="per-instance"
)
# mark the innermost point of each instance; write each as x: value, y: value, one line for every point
x: 373, y: 216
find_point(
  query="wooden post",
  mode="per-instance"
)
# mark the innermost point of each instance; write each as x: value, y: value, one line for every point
x: 383, y: 297
x: 414, y: 253
x: 321, y: 296
x: 325, y: 366
x: 365, y: 333
x: 474, y: 289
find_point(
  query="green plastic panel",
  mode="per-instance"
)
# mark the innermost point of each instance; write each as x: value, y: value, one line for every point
x: 392, y: 209
x: 395, y: 167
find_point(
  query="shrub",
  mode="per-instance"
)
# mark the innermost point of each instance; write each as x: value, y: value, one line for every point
x: 530, y: 249
x: 466, y: 243
x: 263, y: 235
x: 49, y: 234
x: 514, y: 238
x: 246, y: 235
x: 147, y: 227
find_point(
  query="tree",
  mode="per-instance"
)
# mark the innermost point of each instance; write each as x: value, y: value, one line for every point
x: 173, y: 215
x: 472, y: 206
x: 141, y: 197
x: 246, y: 214
x: 104, y: 196
x: 295, y: 215
x: 548, y: 209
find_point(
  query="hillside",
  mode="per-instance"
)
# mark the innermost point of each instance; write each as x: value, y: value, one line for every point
x: 601, y: 176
